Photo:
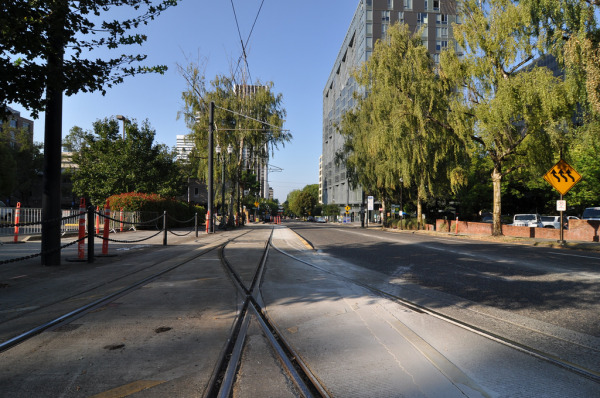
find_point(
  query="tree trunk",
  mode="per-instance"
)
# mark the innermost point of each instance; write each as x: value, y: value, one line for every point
x: 497, y: 203
x: 419, y: 212
x: 51, y: 194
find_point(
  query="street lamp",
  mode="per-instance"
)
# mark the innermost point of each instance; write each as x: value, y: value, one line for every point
x: 123, y: 119
x: 211, y: 116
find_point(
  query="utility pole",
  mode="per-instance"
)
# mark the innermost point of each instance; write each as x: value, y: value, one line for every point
x: 211, y: 117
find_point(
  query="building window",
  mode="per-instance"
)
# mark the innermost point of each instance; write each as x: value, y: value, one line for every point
x: 408, y: 4
x: 441, y: 19
x: 369, y: 42
x: 436, y: 5
x: 458, y: 20
x: 390, y: 4
x: 436, y: 58
x: 441, y: 32
x: 370, y: 29
x: 401, y: 16
x: 13, y: 123
x: 421, y: 18
x: 384, y: 28
x: 426, y: 5
x: 441, y: 45
x: 385, y: 16
x: 369, y: 3
x: 369, y: 15
x: 196, y: 191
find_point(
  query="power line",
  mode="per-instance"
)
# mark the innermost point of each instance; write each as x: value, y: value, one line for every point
x: 244, y: 46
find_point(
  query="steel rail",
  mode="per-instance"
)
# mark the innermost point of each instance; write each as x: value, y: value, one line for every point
x: 574, y: 368
x: 223, y: 378
x: 65, y: 318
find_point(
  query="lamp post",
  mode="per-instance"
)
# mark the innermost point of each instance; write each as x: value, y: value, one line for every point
x: 123, y: 119
x: 222, y: 159
x: 230, y: 218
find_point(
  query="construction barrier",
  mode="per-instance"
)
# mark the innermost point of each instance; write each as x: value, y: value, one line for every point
x: 17, y: 217
x: 81, y: 244
x: 106, y: 228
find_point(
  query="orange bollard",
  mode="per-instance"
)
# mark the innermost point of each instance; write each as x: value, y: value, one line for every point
x: 81, y: 243
x: 17, y: 217
x: 207, y: 221
x: 97, y: 220
x: 106, y: 228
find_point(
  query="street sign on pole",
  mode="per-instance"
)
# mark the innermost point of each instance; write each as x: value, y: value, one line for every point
x: 370, y: 203
x: 561, y: 205
x: 562, y: 177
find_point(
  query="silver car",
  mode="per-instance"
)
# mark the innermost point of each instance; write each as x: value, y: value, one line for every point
x: 551, y: 222
x: 528, y: 220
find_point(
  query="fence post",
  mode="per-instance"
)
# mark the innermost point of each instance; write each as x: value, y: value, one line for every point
x: 81, y: 243
x: 165, y: 228
x: 17, y: 219
x: 106, y: 228
x: 90, y: 231
x: 196, y: 223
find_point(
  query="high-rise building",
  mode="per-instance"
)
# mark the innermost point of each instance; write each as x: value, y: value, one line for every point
x: 369, y: 24
x: 184, y: 146
x: 16, y: 122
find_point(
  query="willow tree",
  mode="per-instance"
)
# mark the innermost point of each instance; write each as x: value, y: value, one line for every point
x: 248, y: 117
x: 398, y: 134
x: 513, y: 109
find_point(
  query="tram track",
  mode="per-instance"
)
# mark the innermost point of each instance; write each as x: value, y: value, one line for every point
x: 105, y: 299
x: 497, y: 337
x: 224, y: 377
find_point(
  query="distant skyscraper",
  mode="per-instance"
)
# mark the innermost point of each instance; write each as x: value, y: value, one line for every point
x: 369, y: 24
x: 184, y: 146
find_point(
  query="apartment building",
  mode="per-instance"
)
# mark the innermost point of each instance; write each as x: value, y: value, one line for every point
x: 369, y: 24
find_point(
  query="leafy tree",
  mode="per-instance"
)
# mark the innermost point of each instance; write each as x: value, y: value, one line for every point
x: 249, y: 120
x: 304, y: 202
x: 20, y: 163
x: 514, y: 110
x: 43, y: 48
x: 109, y: 165
x: 331, y: 209
x: 398, y: 133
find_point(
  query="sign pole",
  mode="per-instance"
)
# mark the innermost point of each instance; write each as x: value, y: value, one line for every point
x: 562, y: 226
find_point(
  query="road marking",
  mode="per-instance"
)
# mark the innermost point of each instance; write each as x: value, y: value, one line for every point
x: 129, y: 389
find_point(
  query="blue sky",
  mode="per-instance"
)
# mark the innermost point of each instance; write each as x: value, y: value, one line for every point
x: 293, y: 44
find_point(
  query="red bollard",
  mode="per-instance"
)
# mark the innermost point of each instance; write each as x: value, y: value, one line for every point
x: 17, y: 217
x: 106, y: 228
x: 81, y: 243
x: 207, y: 221
x: 121, y: 221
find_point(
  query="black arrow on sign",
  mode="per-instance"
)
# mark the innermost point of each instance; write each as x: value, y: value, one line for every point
x: 555, y: 175
x: 570, y: 176
x: 562, y: 174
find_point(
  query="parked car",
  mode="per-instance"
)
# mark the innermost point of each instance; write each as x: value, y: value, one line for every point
x: 528, y: 220
x: 6, y: 213
x: 551, y: 222
x: 591, y: 213
x: 320, y: 219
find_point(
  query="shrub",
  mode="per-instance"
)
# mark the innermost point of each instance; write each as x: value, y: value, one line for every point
x: 153, y: 205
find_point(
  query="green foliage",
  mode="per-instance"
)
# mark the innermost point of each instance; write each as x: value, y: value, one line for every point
x: 514, y: 111
x: 35, y: 34
x: 304, y: 202
x: 109, y: 165
x: 331, y: 209
x: 154, y: 205
x: 20, y: 163
x: 398, y: 135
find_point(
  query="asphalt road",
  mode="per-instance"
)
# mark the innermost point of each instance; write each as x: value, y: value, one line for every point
x: 558, y: 287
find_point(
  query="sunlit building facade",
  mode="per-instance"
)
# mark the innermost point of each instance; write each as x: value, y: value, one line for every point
x: 370, y: 24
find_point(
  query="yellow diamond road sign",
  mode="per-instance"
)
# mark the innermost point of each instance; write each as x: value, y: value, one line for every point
x: 562, y: 177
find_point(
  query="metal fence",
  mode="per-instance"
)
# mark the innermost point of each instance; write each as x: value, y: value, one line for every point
x: 30, y: 221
